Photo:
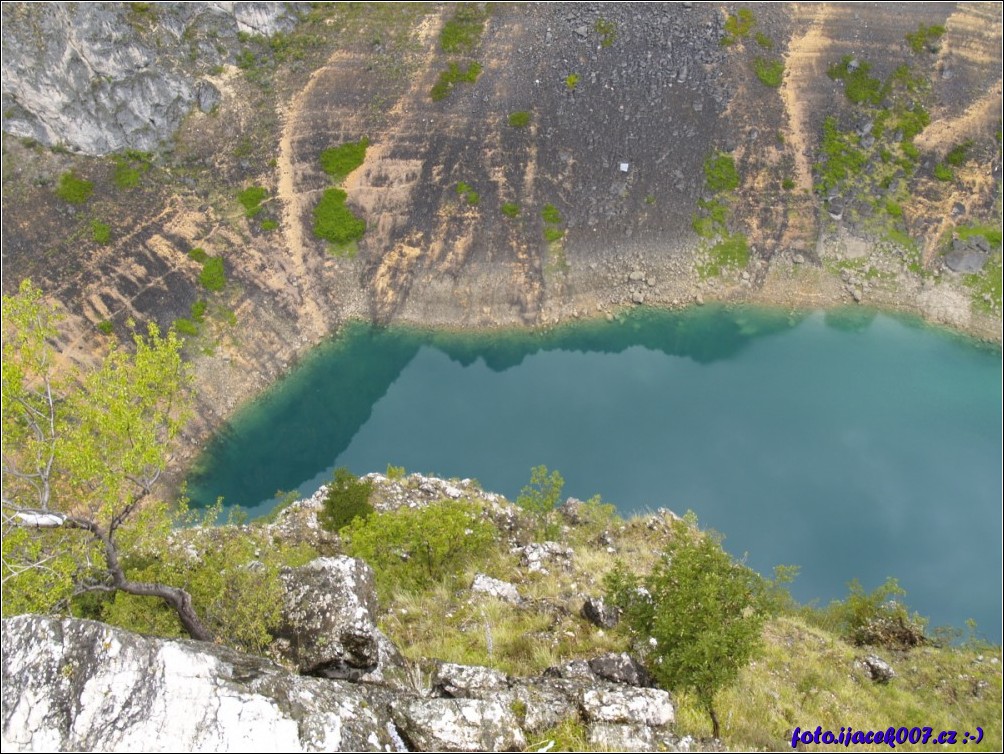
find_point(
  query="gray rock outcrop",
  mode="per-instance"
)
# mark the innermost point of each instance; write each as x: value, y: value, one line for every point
x: 72, y: 684
x: 101, y: 77
x: 79, y: 685
x: 329, y: 624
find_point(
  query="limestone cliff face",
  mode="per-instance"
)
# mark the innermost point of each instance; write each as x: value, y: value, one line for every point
x: 97, y: 77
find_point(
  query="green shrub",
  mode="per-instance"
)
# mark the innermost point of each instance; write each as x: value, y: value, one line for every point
x: 571, y: 81
x: 213, y: 276
x: 395, y: 473
x: 245, y: 60
x: 770, y: 72
x: 510, y: 209
x: 705, y: 612
x: 788, y: 184
x: 414, y: 548
x: 859, y: 87
x: 466, y: 192
x: 893, y: 209
x: 843, y: 159
x: 550, y: 214
x: 100, y: 232
x: 540, y: 498
x: 875, y: 618
x: 339, y: 161
x: 463, y: 32
x: 552, y: 234
x: 198, y: 311
x: 957, y: 155
x: 764, y: 41
x: 720, y: 173
x: 738, y: 26
x: 452, y: 76
x: 269, y: 224
x: 106, y: 326
x: 198, y: 254
x: 348, y: 498
x: 251, y: 199
x: 607, y: 31
x: 519, y: 119
x: 944, y: 173
x: 924, y: 37
x: 74, y: 190
x: 335, y: 222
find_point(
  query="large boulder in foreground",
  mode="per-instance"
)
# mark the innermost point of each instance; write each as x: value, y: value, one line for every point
x: 84, y: 686
x: 329, y: 622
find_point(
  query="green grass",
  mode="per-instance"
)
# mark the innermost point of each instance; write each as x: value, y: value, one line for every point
x: 720, y: 173
x: 990, y: 232
x: 957, y: 155
x: 510, y: 209
x: 269, y: 224
x: 893, y: 209
x: 788, y: 184
x: 764, y: 41
x: 550, y: 214
x: 467, y: 193
x: 198, y: 254
x: 519, y: 119
x: 335, y: 222
x: 251, y: 199
x: 571, y: 81
x: 186, y: 327
x: 944, y: 173
x: 213, y: 276
x: 770, y: 72
x: 339, y: 161
x: 987, y: 283
x: 74, y: 190
x: 463, y: 32
x: 732, y: 252
x: 607, y: 31
x: 101, y: 233
x: 713, y: 223
x: 924, y: 37
x: 859, y: 87
x: 452, y: 76
x: 738, y: 26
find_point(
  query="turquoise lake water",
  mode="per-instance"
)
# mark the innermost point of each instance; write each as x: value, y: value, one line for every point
x: 851, y: 444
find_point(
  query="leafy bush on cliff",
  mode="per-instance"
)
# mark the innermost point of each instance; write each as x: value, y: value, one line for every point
x: 335, y: 222
x: 414, y: 548
x: 348, y: 498
x: 704, y: 611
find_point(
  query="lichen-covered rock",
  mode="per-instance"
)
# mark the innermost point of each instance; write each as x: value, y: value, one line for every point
x: 329, y: 626
x: 627, y: 705
x: 544, y: 703
x: 470, y: 681
x: 79, y: 685
x: 620, y: 668
x: 537, y: 557
x: 572, y: 670
x: 496, y: 588
x: 878, y: 669
x: 457, y: 725
x: 101, y: 77
x: 599, y: 613
x: 612, y: 737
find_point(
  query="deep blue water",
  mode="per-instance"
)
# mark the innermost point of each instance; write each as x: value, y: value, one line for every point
x: 848, y: 443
